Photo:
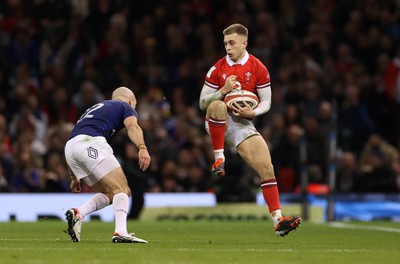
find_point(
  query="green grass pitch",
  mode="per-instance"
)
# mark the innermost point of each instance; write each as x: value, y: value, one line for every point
x: 202, y: 242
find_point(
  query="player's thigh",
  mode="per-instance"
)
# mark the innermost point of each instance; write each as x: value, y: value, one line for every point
x: 254, y: 150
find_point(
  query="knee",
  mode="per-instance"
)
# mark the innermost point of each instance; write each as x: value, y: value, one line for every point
x: 128, y: 191
x: 122, y: 189
x: 111, y: 195
x: 217, y: 109
x: 267, y: 172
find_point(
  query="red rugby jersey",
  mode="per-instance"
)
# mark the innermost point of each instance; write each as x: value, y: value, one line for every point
x: 250, y: 72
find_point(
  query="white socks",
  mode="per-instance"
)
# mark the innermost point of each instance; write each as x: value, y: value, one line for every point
x: 276, y: 216
x: 121, y: 207
x: 97, y: 202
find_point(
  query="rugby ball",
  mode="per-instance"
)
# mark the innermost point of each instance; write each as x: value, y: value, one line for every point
x: 241, y: 96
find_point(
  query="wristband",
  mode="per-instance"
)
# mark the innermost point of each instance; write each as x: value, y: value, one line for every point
x: 141, y: 146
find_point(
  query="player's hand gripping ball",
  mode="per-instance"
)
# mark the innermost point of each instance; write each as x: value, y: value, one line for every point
x: 241, y: 96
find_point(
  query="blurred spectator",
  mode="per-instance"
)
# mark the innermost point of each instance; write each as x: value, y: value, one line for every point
x: 6, y: 170
x: 376, y: 143
x: 380, y: 178
x: 274, y: 132
x: 24, y: 77
x: 28, y: 170
x: 5, y: 139
x: 239, y: 185
x: 311, y: 99
x: 286, y: 159
x: 26, y: 125
x: 23, y: 48
x: 59, y: 107
x: 56, y: 177
x: 196, y: 181
x: 87, y: 96
x: 6, y: 151
x: 353, y: 121
x: 327, y: 120
x: 292, y: 115
x: 169, y: 177
x: 315, y: 148
x: 392, y: 89
x: 347, y: 173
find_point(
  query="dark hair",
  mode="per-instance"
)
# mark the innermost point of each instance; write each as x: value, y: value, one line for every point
x: 236, y: 28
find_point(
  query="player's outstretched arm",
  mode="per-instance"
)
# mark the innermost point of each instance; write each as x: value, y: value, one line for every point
x: 135, y: 134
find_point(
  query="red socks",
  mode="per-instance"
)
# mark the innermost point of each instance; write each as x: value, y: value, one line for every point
x: 271, y: 195
x: 217, y: 133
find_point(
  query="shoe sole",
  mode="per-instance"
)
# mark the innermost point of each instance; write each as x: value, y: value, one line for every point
x: 121, y: 240
x: 69, y: 217
x: 293, y: 226
x: 219, y: 173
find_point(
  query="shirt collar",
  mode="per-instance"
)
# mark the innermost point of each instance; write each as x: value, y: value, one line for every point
x: 242, y: 61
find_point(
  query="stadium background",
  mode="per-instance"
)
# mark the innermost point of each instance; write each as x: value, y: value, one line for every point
x: 334, y: 67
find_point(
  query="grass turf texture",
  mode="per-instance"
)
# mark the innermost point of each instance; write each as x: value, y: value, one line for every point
x: 201, y: 242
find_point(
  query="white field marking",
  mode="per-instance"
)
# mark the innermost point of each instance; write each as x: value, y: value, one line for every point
x: 375, y: 228
x: 42, y: 239
x: 114, y: 249
x: 275, y: 250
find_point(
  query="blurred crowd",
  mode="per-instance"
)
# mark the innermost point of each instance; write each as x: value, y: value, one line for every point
x: 334, y: 65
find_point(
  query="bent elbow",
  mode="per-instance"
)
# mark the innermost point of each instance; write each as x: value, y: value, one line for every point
x: 203, y: 105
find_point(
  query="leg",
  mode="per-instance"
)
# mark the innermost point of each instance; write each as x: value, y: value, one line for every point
x: 259, y: 158
x: 105, y: 187
x: 95, y: 203
x: 76, y: 215
x: 216, y: 121
x: 255, y: 152
x: 115, y: 186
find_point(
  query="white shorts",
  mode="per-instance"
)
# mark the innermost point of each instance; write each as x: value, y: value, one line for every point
x: 90, y: 158
x: 239, y: 129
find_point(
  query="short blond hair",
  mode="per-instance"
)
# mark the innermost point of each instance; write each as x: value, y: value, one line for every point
x: 236, y: 28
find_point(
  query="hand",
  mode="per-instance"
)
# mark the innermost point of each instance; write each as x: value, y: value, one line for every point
x: 75, y: 185
x: 245, y: 111
x: 144, y: 159
x: 229, y: 85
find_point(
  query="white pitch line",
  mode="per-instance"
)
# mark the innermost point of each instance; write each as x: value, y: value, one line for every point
x: 375, y: 228
x: 266, y: 250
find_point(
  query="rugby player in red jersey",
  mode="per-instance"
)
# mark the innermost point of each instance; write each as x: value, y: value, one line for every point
x: 241, y: 70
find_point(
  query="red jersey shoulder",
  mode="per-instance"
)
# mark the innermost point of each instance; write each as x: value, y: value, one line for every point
x: 256, y: 64
x: 260, y: 69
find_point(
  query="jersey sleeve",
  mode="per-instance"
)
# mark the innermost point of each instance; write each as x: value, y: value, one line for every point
x: 211, y: 79
x: 128, y: 111
x: 263, y: 77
